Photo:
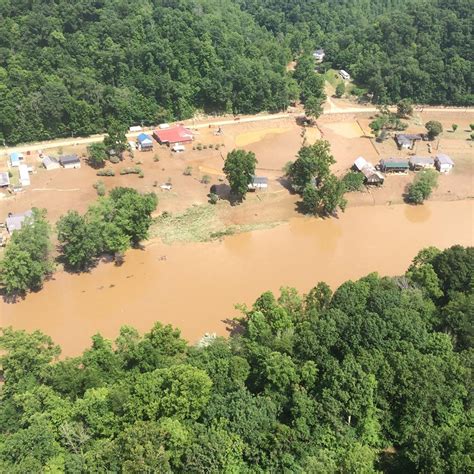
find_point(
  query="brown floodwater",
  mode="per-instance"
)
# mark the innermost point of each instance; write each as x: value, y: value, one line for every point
x: 196, y: 286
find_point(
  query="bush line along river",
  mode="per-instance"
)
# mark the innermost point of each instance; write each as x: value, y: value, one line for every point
x: 196, y: 287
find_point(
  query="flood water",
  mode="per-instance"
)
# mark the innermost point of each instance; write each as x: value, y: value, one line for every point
x: 197, y: 285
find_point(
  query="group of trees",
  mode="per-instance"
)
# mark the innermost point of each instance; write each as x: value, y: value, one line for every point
x: 395, y: 49
x: 310, y: 175
x: 239, y: 168
x: 71, y: 68
x: 110, y: 226
x: 27, y: 259
x: 422, y: 186
x: 376, y: 376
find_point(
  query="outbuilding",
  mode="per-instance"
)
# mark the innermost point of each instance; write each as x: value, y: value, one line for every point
x: 144, y: 142
x: 394, y: 165
x: 319, y: 54
x: 70, y: 161
x: 50, y: 163
x: 16, y: 158
x: 15, y: 221
x: 24, y: 175
x: 344, y: 74
x: 407, y: 140
x: 172, y: 135
x: 444, y: 164
x: 258, y: 182
x: 418, y: 163
x: 360, y: 163
x: 4, y: 179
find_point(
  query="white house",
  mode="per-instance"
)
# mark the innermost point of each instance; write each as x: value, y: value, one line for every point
x: 318, y: 55
x: 444, y: 163
x: 344, y: 74
x: 24, y: 175
x: 258, y: 182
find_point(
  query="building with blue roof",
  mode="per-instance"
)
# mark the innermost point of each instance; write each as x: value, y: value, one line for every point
x: 16, y: 158
x: 145, y: 142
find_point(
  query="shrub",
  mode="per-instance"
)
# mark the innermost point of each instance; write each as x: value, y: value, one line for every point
x: 141, y: 174
x: 138, y: 162
x: 353, y: 181
x: 340, y: 89
x: 472, y: 136
x: 454, y: 126
x: 211, y: 146
x: 213, y: 198
x: 156, y: 158
x: 132, y: 170
x: 155, y: 184
x: 188, y: 171
x: 434, y: 128
x: 422, y: 186
x: 217, y: 146
x: 99, y: 186
x: 472, y: 126
x: 204, y: 147
x: 206, y: 179
x: 199, y: 147
x: 107, y: 172
x: 114, y: 159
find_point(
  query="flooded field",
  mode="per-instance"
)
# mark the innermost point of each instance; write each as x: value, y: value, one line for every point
x: 195, y: 286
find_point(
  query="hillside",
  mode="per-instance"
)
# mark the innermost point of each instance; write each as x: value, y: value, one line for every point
x: 373, y: 377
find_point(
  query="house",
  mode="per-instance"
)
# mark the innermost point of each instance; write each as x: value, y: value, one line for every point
x: 444, y: 164
x: 15, y: 221
x: 258, y: 182
x: 318, y: 55
x: 70, y: 161
x: 407, y: 141
x: 4, y: 179
x: 344, y: 74
x: 24, y: 175
x: 394, y: 165
x: 418, y: 163
x: 361, y: 163
x: 16, y: 158
x: 144, y: 142
x: 372, y: 176
x: 172, y: 135
x: 50, y: 163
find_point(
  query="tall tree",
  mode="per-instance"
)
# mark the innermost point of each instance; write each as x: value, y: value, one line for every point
x: 239, y: 168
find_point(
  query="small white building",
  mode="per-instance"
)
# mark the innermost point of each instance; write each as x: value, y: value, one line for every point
x: 258, y: 182
x: 4, y: 179
x: 15, y: 221
x: 178, y: 148
x: 344, y: 74
x: 444, y: 164
x: 361, y: 163
x: 24, y: 175
x: 70, y: 162
x: 318, y: 55
x: 418, y: 163
x: 50, y: 163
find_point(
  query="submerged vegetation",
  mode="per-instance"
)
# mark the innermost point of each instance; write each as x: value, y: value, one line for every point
x: 373, y: 377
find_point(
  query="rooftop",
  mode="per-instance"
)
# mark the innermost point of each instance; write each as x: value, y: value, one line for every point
x: 444, y: 159
x: 174, y: 134
x: 421, y: 160
x: 259, y: 180
x: 144, y: 137
x: 4, y: 178
x: 15, y: 221
x: 69, y: 159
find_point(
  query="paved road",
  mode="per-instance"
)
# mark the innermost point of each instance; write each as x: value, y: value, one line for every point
x: 331, y: 108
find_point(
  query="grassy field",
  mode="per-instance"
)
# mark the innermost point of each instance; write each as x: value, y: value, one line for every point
x: 198, y: 224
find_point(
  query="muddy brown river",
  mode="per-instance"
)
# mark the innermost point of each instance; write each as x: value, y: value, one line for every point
x: 196, y: 286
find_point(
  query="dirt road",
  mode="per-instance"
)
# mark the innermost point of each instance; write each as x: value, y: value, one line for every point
x: 331, y: 108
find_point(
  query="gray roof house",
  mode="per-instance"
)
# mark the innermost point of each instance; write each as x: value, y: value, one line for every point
x: 70, y: 161
x: 50, y: 163
x: 15, y: 221
x: 421, y: 162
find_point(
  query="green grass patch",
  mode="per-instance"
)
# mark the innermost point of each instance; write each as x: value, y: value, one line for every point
x: 198, y: 224
x: 332, y: 76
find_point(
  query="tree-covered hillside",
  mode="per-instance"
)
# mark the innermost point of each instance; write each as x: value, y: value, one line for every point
x: 375, y: 377
x: 422, y: 49
x: 68, y: 67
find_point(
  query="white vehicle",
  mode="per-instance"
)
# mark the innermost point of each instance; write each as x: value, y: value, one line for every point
x: 178, y: 148
x: 166, y: 186
x: 163, y: 126
x: 135, y: 128
x: 344, y: 74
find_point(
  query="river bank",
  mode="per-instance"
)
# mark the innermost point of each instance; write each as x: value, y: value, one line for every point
x: 194, y: 286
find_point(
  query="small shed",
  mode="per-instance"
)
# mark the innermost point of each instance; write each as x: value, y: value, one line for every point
x: 4, y: 179
x: 407, y: 140
x: 258, y: 182
x: 16, y: 158
x: 145, y: 142
x: 372, y: 176
x: 15, y: 221
x: 24, y: 175
x: 418, y: 163
x: 394, y: 165
x: 444, y: 164
x: 70, y: 161
x: 50, y: 163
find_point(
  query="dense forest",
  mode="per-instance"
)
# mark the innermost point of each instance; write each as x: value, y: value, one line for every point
x: 69, y: 67
x: 373, y: 377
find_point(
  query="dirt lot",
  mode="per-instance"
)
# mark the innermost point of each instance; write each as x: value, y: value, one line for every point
x: 275, y: 143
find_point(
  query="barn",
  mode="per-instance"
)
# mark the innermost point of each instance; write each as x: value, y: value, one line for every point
x: 172, y: 135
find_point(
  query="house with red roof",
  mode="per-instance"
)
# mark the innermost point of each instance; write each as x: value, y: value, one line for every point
x: 172, y: 135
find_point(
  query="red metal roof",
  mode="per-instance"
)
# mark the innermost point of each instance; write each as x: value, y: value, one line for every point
x: 178, y: 134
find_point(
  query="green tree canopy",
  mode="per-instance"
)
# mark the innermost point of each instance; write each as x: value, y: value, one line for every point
x: 239, y: 168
